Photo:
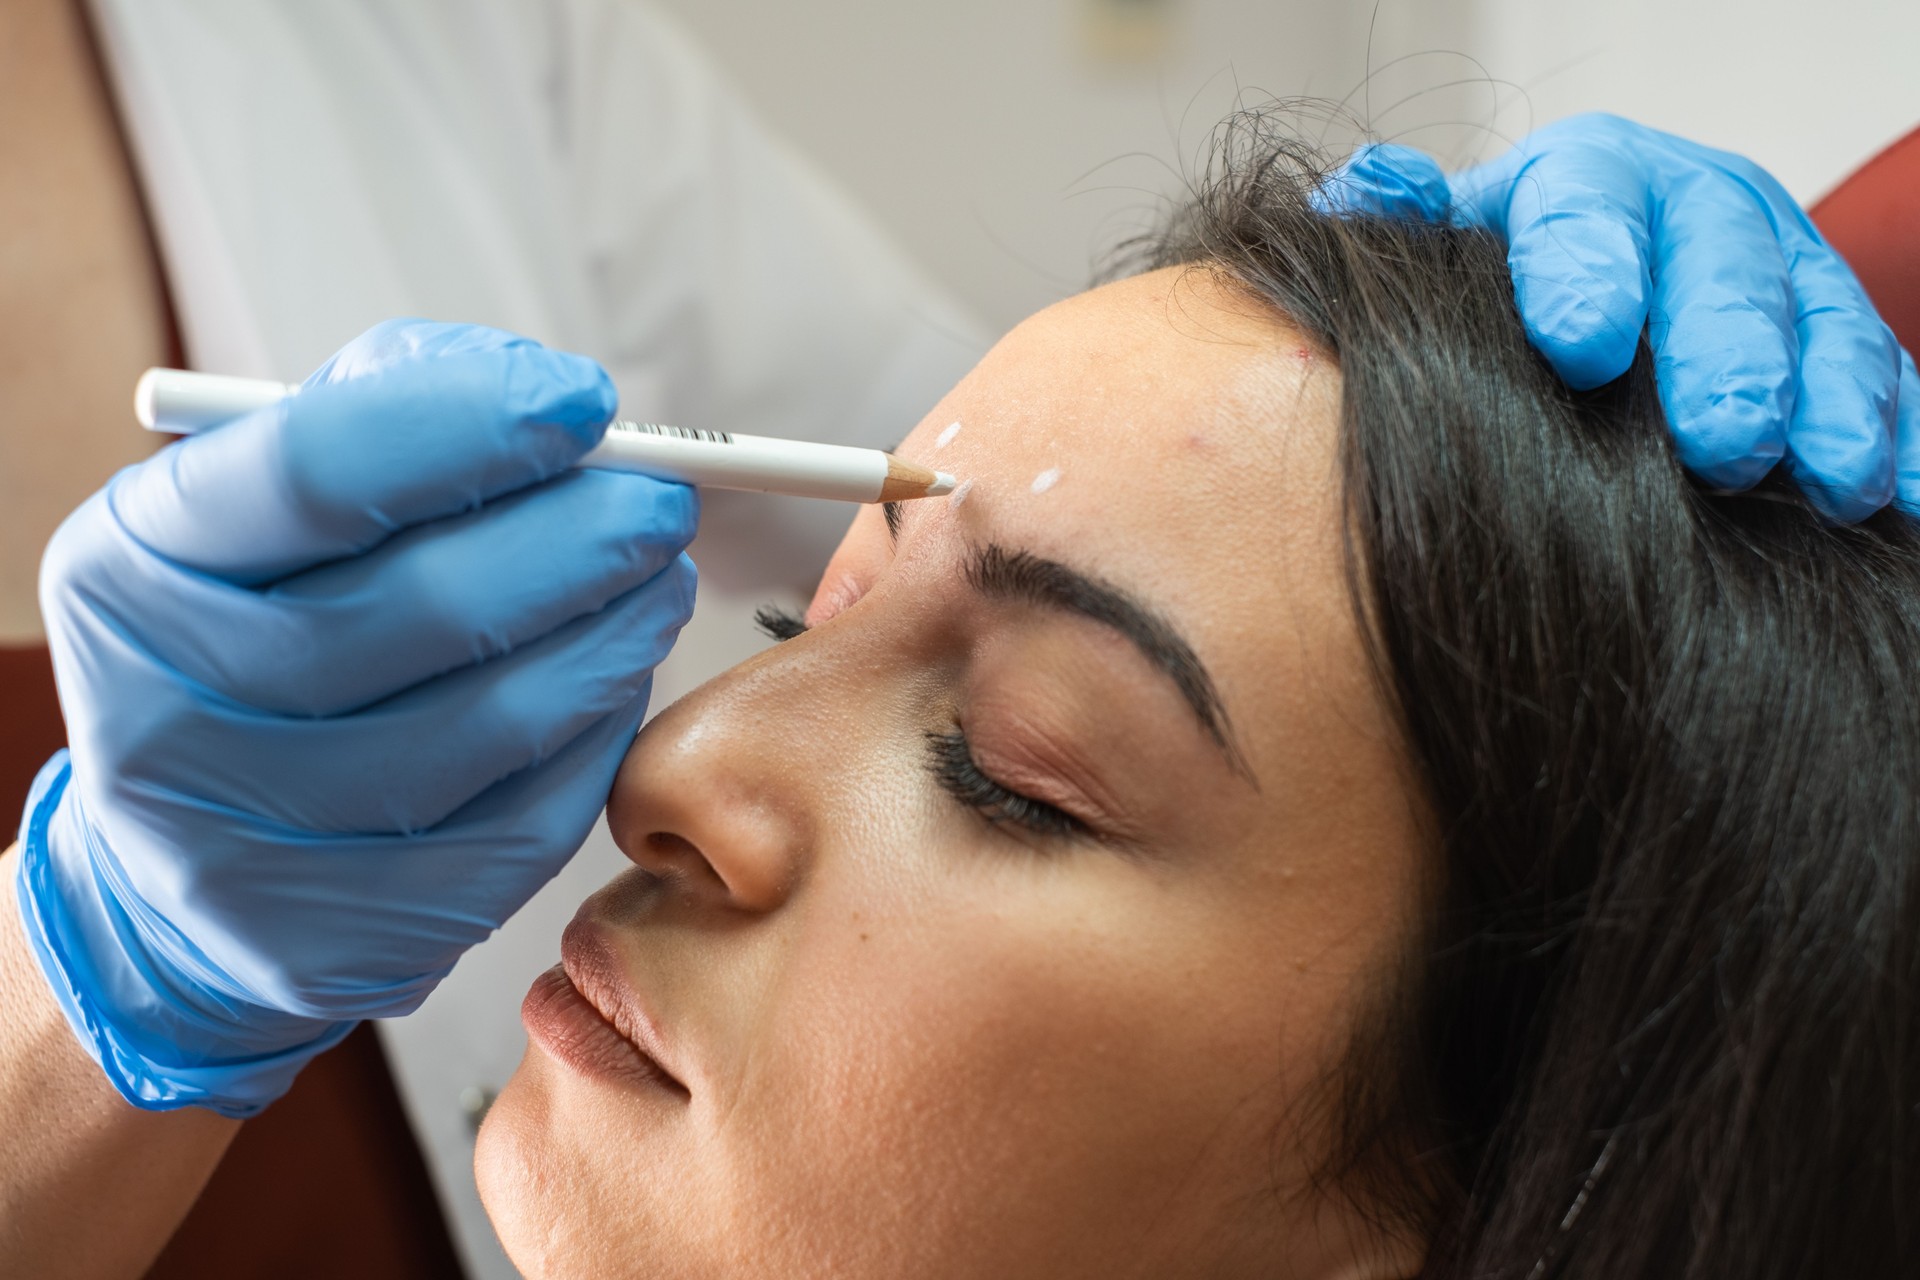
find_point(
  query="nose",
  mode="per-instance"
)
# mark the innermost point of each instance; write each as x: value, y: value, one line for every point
x: 714, y: 799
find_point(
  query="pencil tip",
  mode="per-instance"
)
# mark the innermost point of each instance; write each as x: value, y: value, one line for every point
x: 942, y: 484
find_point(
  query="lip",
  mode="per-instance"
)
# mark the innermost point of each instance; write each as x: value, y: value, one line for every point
x: 583, y: 1012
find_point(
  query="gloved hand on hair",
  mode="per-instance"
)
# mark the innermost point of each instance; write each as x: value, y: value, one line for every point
x: 1765, y: 344
x: 345, y: 682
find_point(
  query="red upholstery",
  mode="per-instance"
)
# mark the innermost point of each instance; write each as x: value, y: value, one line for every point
x: 1873, y: 219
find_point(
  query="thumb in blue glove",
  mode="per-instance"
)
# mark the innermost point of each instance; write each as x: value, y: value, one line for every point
x: 345, y: 682
x: 1765, y: 344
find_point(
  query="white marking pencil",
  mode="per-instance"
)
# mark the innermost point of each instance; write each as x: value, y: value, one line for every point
x: 185, y: 403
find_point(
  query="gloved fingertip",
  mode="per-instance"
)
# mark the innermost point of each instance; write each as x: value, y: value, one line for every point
x: 559, y: 388
x: 685, y: 578
x: 1384, y: 179
x: 685, y: 510
x: 1730, y: 440
x: 399, y: 335
x: 1584, y: 312
x: 1842, y: 506
x: 1847, y: 481
x: 1583, y: 338
x: 1906, y: 490
x: 663, y: 512
x: 1584, y: 349
x: 406, y: 339
x: 1731, y: 475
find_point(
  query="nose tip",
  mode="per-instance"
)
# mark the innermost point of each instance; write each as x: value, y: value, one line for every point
x: 710, y: 798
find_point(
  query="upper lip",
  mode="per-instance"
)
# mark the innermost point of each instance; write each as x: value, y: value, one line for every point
x: 594, y: 969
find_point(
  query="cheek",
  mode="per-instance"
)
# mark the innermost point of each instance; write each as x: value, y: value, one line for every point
x: 1044, y: 1068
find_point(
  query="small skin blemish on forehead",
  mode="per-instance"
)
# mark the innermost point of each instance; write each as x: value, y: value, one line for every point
x: 1046, y: 480
x: 960, y: 494
x: 945, y: 438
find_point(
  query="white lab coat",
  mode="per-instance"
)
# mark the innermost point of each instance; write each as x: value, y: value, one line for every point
x: 573, y: 170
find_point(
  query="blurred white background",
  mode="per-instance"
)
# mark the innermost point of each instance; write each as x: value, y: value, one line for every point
x: 1004, y: 141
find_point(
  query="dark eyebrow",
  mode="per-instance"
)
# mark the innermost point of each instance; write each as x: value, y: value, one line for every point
x: 1002, y: 574
x: 891, y: 510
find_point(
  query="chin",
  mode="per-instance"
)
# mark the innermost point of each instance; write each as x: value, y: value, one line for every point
x: 542, y: 1202
x: 514, y: 1188
x: 566, y: 1190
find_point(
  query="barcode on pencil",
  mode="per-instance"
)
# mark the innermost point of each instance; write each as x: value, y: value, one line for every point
x: 672, y: 433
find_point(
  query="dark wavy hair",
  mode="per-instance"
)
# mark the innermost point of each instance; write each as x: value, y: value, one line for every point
x: 1661, y: 1022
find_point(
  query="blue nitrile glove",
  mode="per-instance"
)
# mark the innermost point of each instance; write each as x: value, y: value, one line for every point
x: 1765, y: 344
x: 345, y: 682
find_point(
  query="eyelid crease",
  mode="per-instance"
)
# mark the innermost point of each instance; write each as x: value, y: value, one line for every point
x: 1041, y: 765
x: 955, y: 768
x: 996, y: 572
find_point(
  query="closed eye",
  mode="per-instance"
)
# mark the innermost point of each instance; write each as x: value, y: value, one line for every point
x: 954, y: 767
x: 952, y: 761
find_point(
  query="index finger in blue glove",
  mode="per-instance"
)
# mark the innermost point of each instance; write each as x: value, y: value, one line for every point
x: 1840, y: 437
x: 406, y: 341
x: 1724, y: 338
x: 431, y: 599
x: 467, y: 589
x: 424, y: 429
x: 1578, y: 243
x: 1840, y: 440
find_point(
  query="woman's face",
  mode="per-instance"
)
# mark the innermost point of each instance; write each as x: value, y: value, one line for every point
x: 1012, y: 921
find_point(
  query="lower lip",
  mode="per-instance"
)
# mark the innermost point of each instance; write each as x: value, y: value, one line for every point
x: 565, y: 1024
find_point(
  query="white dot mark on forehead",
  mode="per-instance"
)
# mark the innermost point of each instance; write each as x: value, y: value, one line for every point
x: 960, y: 494
x: 1046, y: 480
x: 945, y: 438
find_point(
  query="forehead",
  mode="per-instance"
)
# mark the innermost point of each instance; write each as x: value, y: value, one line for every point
x: 1166, y: 431
x: 1179, y: 440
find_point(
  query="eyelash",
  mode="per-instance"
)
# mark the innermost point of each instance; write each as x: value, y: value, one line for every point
x: 953, y: 766
x: 778, y: 623
x: 952, y: 761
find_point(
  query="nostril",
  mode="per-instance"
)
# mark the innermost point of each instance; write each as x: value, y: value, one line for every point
x: 675, y: 857
x: 669, y: 845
